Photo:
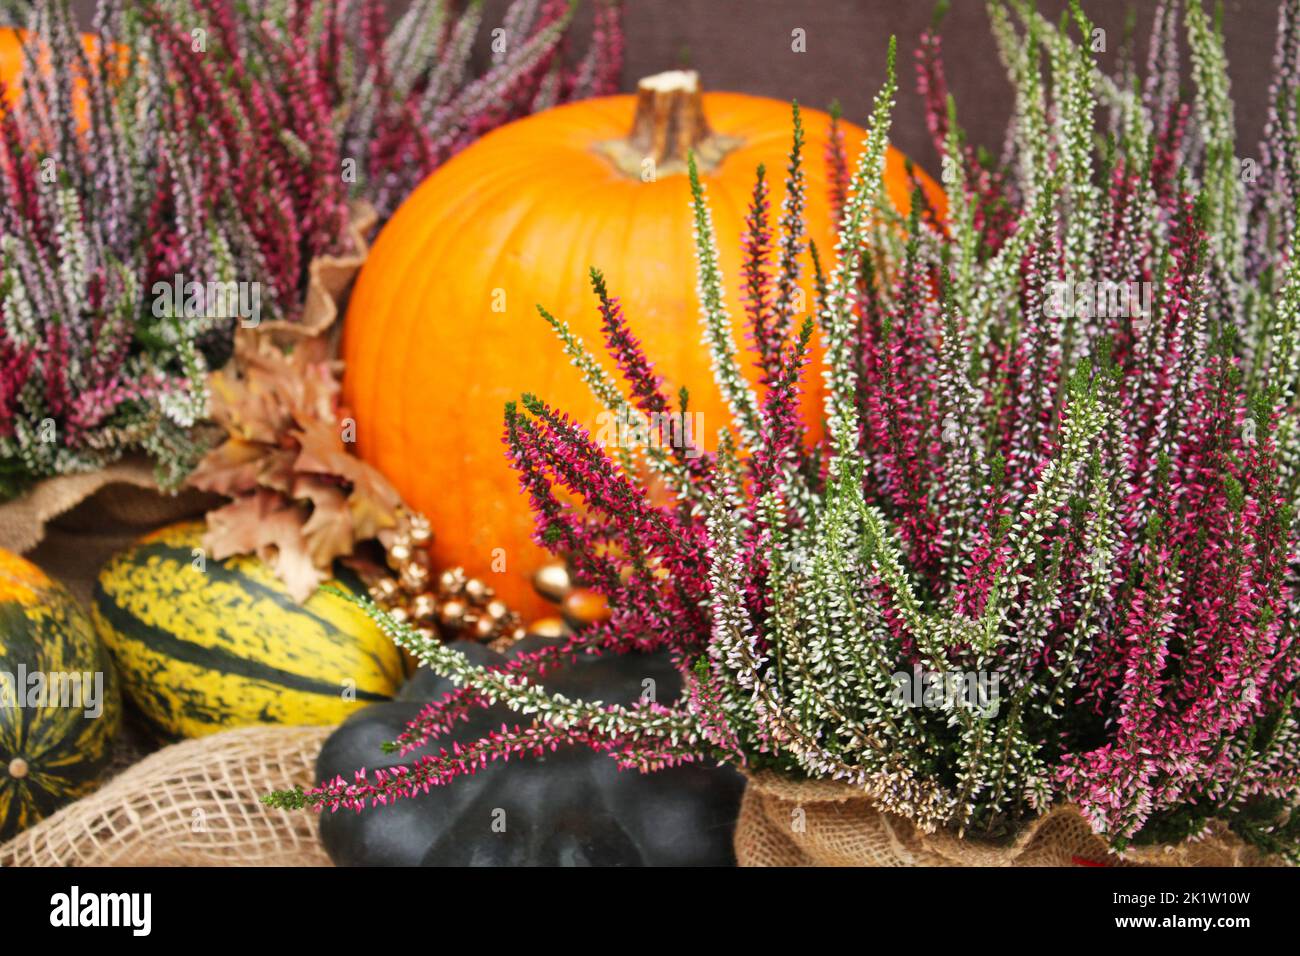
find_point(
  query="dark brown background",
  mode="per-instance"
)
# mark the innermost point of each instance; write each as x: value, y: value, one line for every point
x: 745, y: 45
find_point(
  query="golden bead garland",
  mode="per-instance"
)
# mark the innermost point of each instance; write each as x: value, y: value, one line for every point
x: 450, y: 605
x: 455, y: 606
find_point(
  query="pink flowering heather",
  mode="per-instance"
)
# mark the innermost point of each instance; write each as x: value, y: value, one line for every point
x: 93, y: 214
x: 370, y: 107
x: 1061, y: 449
x: 222, y: 145
x: 408, y: 97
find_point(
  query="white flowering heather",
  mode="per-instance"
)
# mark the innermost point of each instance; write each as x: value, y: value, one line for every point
x: 214, y: 147
x: 96, y: 208
x: 718, y: 337
x: 1045, y: 553
x: 409, y: 97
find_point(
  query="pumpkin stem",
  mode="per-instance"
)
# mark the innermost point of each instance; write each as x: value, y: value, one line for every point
x: 668, y: 126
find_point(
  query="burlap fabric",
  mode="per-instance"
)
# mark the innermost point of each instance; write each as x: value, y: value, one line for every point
x: 195, y: 803
x: 23, y: 520
x: 785, y: 822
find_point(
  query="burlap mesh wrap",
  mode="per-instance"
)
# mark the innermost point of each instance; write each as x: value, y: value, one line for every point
x: 195, y: 803
x: 786, y: 822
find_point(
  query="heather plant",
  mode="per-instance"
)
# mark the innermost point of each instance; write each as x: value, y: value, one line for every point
x: 137, y: 231
x: 220, y: 146
x: 1060, y: 448
x: 409, y: 98
x: 374, y: 105
x: 100, y: 202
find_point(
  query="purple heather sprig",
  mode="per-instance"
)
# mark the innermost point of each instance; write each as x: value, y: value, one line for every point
x: 220, y: 146
x: 95, y: 212
x: 1061, y: 450
x: 410, y: 100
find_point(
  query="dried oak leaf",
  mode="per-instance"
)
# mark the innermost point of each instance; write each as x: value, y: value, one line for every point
x: 277, y: 470
x: 267, y: 525
x: 302, y: 500
x: 373, y: 502
x: 329, y: 532
x: 248, y: 404
x: 232, y: 469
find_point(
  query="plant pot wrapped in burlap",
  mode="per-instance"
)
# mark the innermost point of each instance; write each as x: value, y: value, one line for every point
x: 786, y: 822
x: 195, y: 803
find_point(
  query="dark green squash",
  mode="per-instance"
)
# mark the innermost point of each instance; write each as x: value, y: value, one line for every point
x: 573, y: 807
x: 60, y: 705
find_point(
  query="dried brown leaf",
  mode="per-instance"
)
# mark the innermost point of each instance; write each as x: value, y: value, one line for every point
x: 264, y: 524
x: 302, y: 499
x: 329, y: 531
x: 234, y: 468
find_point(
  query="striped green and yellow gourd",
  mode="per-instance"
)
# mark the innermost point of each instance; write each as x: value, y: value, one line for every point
x: 60, y: 704
x: 206, y: 645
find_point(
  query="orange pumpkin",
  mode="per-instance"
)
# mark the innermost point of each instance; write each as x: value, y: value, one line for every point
x: 442, y: 328
x: 12, y: 64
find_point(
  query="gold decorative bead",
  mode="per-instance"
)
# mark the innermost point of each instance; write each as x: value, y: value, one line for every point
x: 382, y: 592
x: 420, y: 532
x: 424, y: 608
x: 503, y: 641
x: 549, y: 627
x: 399, y: 614
x: 485, y: 628
x: 399, y: 552
x: 477, y: 591
x: 415, y: 577
x: 452, y: 613
x: 451, y: 582
x: 552, y: 581
x: 585, y: 606
x: 497, y: 610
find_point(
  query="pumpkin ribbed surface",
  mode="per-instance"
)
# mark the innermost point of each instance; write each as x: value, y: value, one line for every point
x: 13, y: 63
